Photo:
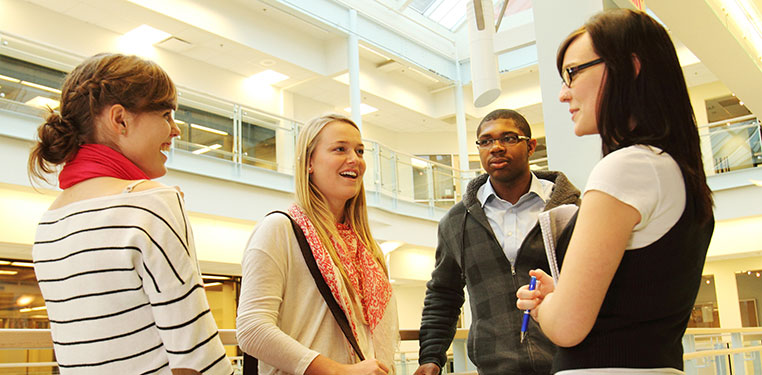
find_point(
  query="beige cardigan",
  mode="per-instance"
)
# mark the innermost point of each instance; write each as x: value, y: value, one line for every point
x: 282, y: 317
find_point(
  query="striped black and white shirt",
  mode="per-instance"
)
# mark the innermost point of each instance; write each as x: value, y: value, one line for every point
x: 122, y: 286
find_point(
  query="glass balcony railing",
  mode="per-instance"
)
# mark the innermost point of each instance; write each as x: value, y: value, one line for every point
x: 219, y: 129
x: 214, y: 128
x: 731, y: 145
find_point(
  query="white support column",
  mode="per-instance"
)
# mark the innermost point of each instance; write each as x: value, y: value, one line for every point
x: 353, y: 54
x: 553, y: 21
x: 460, y: 123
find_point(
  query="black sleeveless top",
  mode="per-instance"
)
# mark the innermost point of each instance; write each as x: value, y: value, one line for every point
x: 647, y: 306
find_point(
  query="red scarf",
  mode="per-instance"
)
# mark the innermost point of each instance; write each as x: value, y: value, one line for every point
x: 96, y: 160
x: 367, y: 277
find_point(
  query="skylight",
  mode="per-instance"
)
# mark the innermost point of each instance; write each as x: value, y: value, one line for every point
x: 451, y: 14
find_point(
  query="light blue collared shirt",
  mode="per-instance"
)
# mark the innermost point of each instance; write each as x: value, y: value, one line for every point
x: 511, y: 222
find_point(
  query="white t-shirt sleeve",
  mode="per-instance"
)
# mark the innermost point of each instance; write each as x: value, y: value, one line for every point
x: 648, y: 180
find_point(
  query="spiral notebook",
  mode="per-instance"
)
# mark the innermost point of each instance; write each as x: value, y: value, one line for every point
x: 552, y: 223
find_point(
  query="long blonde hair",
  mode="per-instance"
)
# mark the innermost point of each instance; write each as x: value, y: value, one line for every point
x: 313, y: 202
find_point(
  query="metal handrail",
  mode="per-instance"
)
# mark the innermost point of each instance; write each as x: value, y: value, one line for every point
x: 731, y: 120
x: 20, y: 339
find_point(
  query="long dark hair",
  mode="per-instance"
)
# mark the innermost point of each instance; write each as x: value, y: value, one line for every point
x: 105, y: 79
x: 650, y: 107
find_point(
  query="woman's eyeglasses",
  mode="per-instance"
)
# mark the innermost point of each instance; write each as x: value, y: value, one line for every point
x: 568, y: 74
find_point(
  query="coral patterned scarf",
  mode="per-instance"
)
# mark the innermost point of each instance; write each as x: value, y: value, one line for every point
x: 366, y: 276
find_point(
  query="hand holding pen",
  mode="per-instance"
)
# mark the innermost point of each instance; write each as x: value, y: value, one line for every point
x: 525, y: 321
x: 531, y: 296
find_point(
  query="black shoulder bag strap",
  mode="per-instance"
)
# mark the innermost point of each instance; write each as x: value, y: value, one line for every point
x: 324, y: 289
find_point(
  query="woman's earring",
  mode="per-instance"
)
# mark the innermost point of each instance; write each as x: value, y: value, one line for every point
x: 124, y: 131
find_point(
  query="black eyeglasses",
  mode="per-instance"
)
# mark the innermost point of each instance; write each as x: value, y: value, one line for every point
x: 510, y: 139
x: 568, y: 74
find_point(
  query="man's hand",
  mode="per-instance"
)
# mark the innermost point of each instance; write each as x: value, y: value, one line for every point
x: 427, y: 369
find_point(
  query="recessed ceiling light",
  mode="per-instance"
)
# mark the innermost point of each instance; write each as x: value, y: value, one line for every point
x: 30, y: 309
x: 24, y: 300
x: 206, y: 129
x: 364, y: 109
x: 41, y: 87
x: 10, y: 79
x: 207, y: 149
x: 215, y: 277
x: 267, y: 77
x: 145, y: 34
x: 140, y: 40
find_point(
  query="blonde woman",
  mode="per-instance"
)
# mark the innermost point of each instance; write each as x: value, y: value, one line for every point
x: 283, y: 320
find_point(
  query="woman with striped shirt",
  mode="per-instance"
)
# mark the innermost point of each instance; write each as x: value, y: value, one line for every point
x: 114, y: 254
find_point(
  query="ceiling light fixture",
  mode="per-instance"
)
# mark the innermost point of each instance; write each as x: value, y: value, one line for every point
x: 141, y: 39
x: 30, y: 309
x: 145, y: 34
x: 206, y: 129
x: 214, y: 277
x: 364, y: 109
x: 207, y: 149
x: 41, y: 87
x: 24, y: 300
x: 9, y: 79
x: 212, y: 284
x: 23, y: 264
x: 267, y: 77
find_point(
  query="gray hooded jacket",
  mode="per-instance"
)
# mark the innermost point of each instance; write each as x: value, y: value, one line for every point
x: 466, y: 242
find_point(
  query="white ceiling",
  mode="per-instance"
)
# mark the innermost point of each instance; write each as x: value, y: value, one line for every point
x: 121, y: 16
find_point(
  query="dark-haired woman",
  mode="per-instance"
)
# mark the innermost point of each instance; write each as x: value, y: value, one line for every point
x: 114, y: 254
x: 633, y: 262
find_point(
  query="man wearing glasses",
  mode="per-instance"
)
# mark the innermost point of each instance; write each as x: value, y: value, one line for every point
x: 488, y: 243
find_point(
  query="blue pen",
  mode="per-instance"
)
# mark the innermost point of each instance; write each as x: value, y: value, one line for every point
x: 525, y: 322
